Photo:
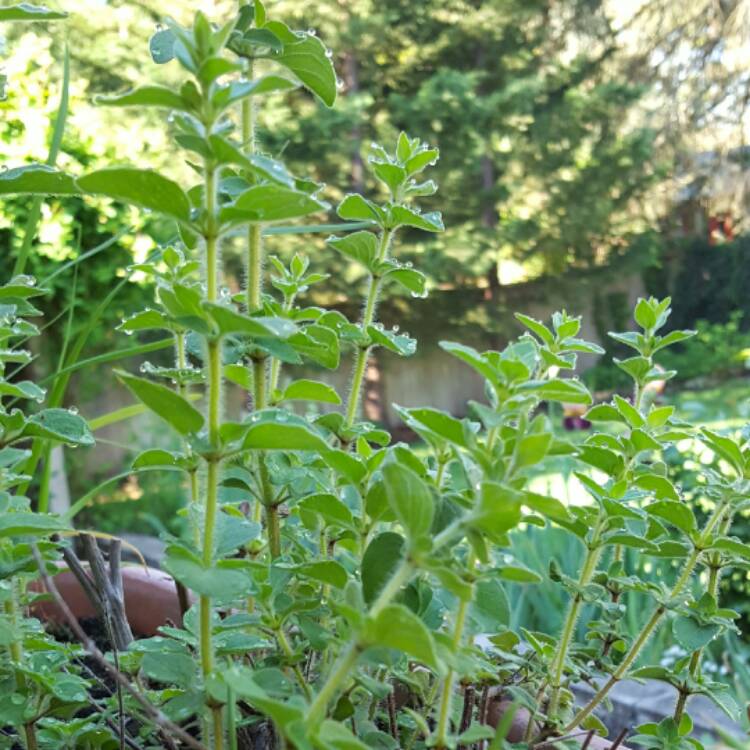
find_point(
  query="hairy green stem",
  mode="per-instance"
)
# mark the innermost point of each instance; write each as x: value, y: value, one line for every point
x: 274, y: 530
x: 343, y: 667
x: 287, y: 649
x: 273, y: 378
x: 15, y: 650
x: 649, y: 627
x: 446, y: 700
x: 695, y: 660
x: 557, y: 668
x: 368, y: 315
x: 214, y: 383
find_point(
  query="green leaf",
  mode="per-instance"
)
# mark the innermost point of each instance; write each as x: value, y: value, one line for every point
x: 398, y: 627
x: 37, y: 179
x: 726, y: 448
x: 391, y: 175
x: 310, y: 390
x: 157, y: 457
x: 270, y: 203
x: 662, y: 488
x: 59, y: 424
x: 489, y: 612
x: 238, y: 90
x: 410, y: 279
x: 145, y: 96
x: 30, y: 524
x: 399, y: 343
x: 680, y: 516
x: 359, y: 246
x: 29, y: 12
x: 476, y: 733
x: 401, y: 216
x: 228, y: 320
x: 558, y: 389
x: 732, y: 546
x: 276, y: 429
x: 645, y: 315
x: 438, y: 422
x: 633, y: 417
x: 549, y: 507
x: 345, y: 465
x: 329, y: 508
x: 337, y: 736
x: 355, y: 207
x: 518, y: 574
x: 531, y: 449
x: 673, y: 337
x: 325, y: 571
x: 305, y: 55
x: 692, y: 635
x: 536, y: 327
x: 141, y: 187
x: 473, y: 358
x: 145, y: 320
x: 382, y: 556
x: 161, y: 45
x: 243, y: 681
x: 164, y: 402
x: 170, y: 667
x: 22, y: 389
x: 221, y: 580
x: 410, y: 499
x: 601, y: 458
x: 498, y: 509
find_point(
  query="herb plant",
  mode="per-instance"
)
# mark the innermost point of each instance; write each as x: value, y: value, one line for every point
x: 341, y: 581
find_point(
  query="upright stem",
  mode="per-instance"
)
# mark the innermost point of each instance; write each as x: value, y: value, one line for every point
x: 446, y: 700
x: 184, y: 391
x: 274, y: 531
x: 15, y: 650
x: 695, y: 659
x: 649, y: 627
x: 214, y: 380
x: 273, y: 378
x: 591, y: 560
x: 343, y: 667
x: 368, y: 315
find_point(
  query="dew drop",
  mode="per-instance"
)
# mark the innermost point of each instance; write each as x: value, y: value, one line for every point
x: 396, y: 329
x: 339, y: 84
x: 329, y: 53
x: 254, y: 418
x: 73, y: 410
x: 312, y: 32
x: 408, y: 264
x: 4, y: 168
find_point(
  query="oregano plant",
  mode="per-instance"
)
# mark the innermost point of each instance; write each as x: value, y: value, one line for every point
x: 344, y: 591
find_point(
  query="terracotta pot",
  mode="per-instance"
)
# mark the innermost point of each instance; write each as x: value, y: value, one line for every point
x: 150, y: 599
x: 497, y: 708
